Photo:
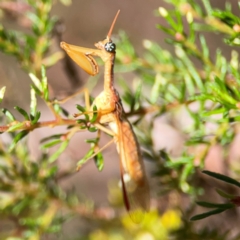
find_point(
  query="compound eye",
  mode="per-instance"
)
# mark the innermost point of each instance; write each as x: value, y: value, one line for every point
x: 110, y: 47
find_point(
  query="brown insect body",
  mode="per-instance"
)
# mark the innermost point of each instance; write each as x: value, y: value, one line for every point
x: 110, y: 112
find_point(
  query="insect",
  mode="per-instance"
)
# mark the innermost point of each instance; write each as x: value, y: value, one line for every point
x: 110, y: 113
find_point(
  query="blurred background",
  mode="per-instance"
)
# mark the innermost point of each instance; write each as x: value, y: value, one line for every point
x: 83, y: 23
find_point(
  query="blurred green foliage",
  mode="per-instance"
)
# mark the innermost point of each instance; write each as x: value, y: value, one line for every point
x: 190, y: 80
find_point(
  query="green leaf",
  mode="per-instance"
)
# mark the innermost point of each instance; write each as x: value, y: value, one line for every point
x: 175, y: 25
x: 16, y: 126
x: 82, y: 121
x: 36, y: 117
x: 85, y: 158
x: 44, y: 84
x: 51, y: 143
x: 56, y: 136
x: 23, y: 112
x: 37, y: 91
x: 93, y: 140
x: 224, y: 195
x: 9, y: 115
x: 92, y: 129
x: 156, y: 88
x: 205, y: 49
x: 187, y: 170
x: 207, y: 214
x: 213, y: 112
x: 220, y: 84
x: 207, y: 6
x: 192, y: 71
x: 98, y: 159
x: 2, y: 91
x: 33, y: 104
x: 20, y: 206
x: 189, y: 83
x: 175, y: 91
x: 137, y: 97
x: 64, y: 112
x: 36, y: 21
x: 17, y: 138
x: 215, y: 205
x: 222, y: 178
x: 95, y: 114
x: 83, y: 110
x: 177, y: 162
x: 36, y: 82
x: 59, y: 151
x: 58, y: 109
x: 166, y: 30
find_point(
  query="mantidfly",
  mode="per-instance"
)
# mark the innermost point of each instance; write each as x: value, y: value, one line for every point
x: 110, y: 113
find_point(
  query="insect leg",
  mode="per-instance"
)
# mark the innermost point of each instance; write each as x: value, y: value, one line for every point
x: 86, y: 93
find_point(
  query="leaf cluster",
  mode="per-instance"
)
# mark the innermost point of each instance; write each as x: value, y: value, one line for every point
x: 191, y: 79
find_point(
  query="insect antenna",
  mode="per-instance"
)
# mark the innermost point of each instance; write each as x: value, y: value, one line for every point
x: 113, y: 23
